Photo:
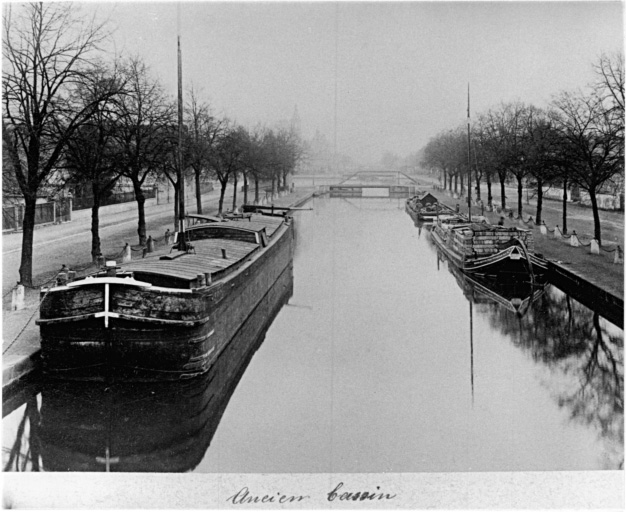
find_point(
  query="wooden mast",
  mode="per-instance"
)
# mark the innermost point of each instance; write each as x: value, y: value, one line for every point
x: 182, y: 245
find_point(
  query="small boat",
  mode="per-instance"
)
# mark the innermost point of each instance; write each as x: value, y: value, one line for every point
x: 486, y: 249
x: 424, y: 207
x: 167, y: 316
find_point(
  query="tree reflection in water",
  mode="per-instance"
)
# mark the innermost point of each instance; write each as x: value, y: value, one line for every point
x: 24, y: 454
x: 585, y: 354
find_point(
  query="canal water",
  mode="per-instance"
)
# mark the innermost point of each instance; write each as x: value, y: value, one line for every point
x: 371, y: 355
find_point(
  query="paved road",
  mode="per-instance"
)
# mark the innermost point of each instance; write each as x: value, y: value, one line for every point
x: 70, y: 243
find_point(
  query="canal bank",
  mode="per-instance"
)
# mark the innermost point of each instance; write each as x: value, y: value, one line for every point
x: 21, y: 347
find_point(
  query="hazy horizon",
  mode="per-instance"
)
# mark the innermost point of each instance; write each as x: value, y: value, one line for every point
x: 401, y: 69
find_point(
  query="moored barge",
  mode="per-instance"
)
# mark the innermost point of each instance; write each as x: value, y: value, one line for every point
x: 170, y: 315
x: 486, y: 249
x: 425, y: 207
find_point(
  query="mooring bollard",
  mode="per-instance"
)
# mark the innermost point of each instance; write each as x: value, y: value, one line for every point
x: 150, y: 247
x: 595, y: 247
x: 557, y: 232
x: 17, y: 297
x: 168, y: 238
x: 126, y: 255
x: 62, y: 279
x: 111, y: 267
x: 619, y: 257
x: 224, y: 253
x: 62, y: 276
x: 543, y: 228
x: 573, y: 240
x: 208, y: 279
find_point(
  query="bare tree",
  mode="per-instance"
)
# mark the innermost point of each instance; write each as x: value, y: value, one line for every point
x: 226, y: 158
x: 610, y: 83
x: 595, y: 143
x: 202, y: 132
x: 145, y: 118
x: 542, y: 152
x: 91, y: 155
x: 47, y: 50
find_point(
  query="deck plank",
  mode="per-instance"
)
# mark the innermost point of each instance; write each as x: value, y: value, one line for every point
x: 206, y: 258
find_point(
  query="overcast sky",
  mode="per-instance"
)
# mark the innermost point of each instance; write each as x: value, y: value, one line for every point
x: 400, y: 69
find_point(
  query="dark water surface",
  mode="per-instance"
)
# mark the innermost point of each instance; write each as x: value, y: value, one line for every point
x: 383, y: 360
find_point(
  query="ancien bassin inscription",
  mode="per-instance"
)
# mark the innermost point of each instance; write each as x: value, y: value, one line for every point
x: 245, y: 497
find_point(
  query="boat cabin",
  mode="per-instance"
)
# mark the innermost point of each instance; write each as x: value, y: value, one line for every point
x: 427, y: 199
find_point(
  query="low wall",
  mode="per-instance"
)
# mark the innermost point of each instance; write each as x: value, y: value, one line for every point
x: 112, y: 208
x: 595, y: 298
x: 605, y: 201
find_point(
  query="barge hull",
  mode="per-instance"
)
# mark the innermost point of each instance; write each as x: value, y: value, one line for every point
x: 183, y: 347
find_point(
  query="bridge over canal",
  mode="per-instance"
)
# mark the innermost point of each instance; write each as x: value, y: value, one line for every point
x: 393, y: 184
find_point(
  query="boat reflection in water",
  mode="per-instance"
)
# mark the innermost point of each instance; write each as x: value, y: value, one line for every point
x: 145, y: 427
x: 514, y: 291
x: 508, y: 292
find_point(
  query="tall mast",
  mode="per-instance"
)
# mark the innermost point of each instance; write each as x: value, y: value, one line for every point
x: 179, y: 167
x: 469, y: 162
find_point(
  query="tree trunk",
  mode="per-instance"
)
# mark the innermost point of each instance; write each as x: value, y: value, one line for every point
x: 539, y: 201
x: 565, y: 205
x: 256, y: 190
x: 245, y: 188
x: 176, y: 206
x: 477, y: 187
x: 235, y: 191
x: 596, y: 216
x: 456, y: 183
x: 445, y: 180
x: 273, y: 184
x: 28, y: 232
x: 520, y: 195
x: 502, y: 191
x: 220, y: 205
x: 489, y: 195
x: 198, y: 192
x: 95, y: 222
x: 462, y: 183
x: 141, y: 212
